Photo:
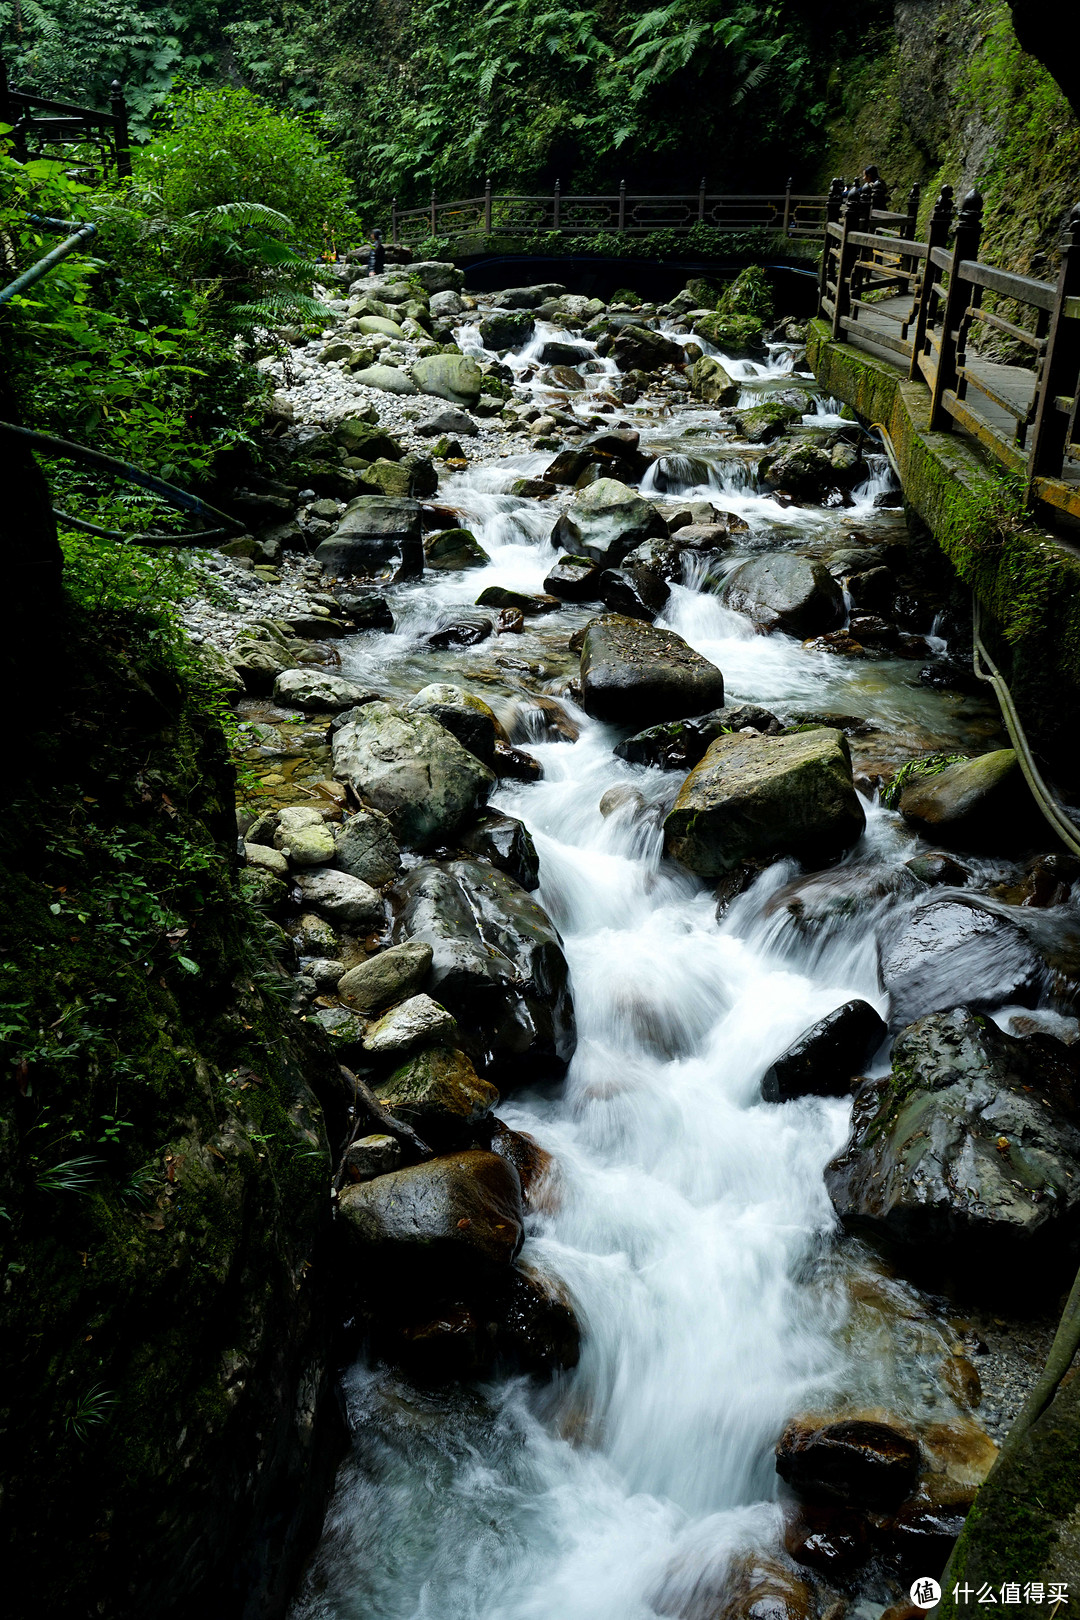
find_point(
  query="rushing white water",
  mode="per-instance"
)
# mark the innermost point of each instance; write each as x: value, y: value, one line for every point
x: 692, y: 1226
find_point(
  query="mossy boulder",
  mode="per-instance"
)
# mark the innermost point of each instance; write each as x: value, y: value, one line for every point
x: 737, y: 336
x: 507, y: 329
x: 761, y: 796
x: 605, y: 521
x: 413, y: 769
x: 453, y: 549
x: 712, y: 384
x: 761, y: 423
x: 440, y: 1095
x: 455, y: 377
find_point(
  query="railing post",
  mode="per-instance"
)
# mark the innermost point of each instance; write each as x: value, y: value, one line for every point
x: 1061, y: 367
x: 955, y: 318
x: 393, y: 220
x: 936, y: 236
x: 856, y: 212
x: 622, y: 205
x: 5, y: 108
x: 555, y: 221
x: 832, y: 217
x: 433, y: 210
x: 787, y: 204
x: 911, y: 223
x: 701, y: 202
x: 487, y: 206
x: 121, y: 142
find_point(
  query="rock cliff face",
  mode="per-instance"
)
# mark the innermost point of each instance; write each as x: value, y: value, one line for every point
x: 957, y: 98
x: 164, y: 1348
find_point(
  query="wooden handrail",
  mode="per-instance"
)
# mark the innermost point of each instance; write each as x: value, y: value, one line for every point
x: 863, y: 261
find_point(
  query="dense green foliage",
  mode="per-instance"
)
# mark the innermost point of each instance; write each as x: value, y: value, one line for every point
x: 436, y: 93
x: 143, y: 345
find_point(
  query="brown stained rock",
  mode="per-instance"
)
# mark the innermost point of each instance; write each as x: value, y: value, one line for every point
x: 856, y: 1461
x: 536, y: 1169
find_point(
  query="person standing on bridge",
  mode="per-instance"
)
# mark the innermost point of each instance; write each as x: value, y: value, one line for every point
x: 377, y: 256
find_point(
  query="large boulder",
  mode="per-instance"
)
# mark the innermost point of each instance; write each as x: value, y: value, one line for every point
x: 574, y: 579
x: 375, y: 532
x: 637, y: 592
x: 507, y: 844
x: 440, y: 1094
x: 435, y: 275
x: 827, y: 1056
x: 971, y: 802
x: 506, y: 329
x: 413, y: 769
x: 557, y: 352
x: 712, y: 384
x: 458, y: 1216
x: 606, y: 520
x: 678, y: 745
x: 785, y: 592
x: 316, y: 691
x: 454, y: 549
x: 465, y: 716
x: 455, y: 377
x: 755, y: 795
x: 632, y: 671
x: 530, y: 297
x: 637, y: 348
x: 802, y: 470
x: 967, y: 1155
x: 953, y: 949
x: 498, y: 964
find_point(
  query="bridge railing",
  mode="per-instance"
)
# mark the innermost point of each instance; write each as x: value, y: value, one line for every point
x: 788, y: 213
x: 924, y: 302
x: 39, y: 125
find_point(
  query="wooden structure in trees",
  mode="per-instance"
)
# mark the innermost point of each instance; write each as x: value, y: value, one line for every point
x: 39, y: 126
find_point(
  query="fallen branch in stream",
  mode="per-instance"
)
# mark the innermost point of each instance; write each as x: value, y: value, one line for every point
x: 370, y: 1112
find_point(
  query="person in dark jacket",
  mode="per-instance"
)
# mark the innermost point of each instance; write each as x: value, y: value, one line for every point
x: 377, y: 256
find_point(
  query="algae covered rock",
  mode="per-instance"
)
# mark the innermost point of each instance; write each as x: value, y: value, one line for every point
x: 413, y: 769
x: 630, y: 671
x: 754, y: 796
x: 969, y: 802
x: 375, y: 531
x: 454, y: 548
x: 506, y: 329
x: 711, y: 383
x: 466, y: 716
x: 455, y: 377
x: 440, y: 1095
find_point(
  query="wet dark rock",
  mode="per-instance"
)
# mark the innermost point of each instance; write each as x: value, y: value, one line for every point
x: 828, y: 1538
x: 755, y: 795
x: 827, y: 1056
x: 530, y: 297
x: 936, y: 868
x: 367, y: 609
x: 946, y: 950
x: 1047, y: 880
x: 536, y: 1328
x: 464, y: 630
x: 412, y: 769
x: 678, y: 745
x: 516, y: 764
x: 375, y: 532
x: 371, y: 1156
x: 965, y: 1157
x: 672, y: 474
x: 632, y: 671
x: 705, y: 537
x: 757, y: 1587
x: 365, y: 847
x: 440, y: 1094
x: 663, y: 558
x: 498, y: 965
x: 534, y: 1165
x: 762, y: 423
x: 557, y: 353
x: 606, y: 520
x: 919, y: 1538
x: 434, y: 1343
x: 497, y: 596
x: 636, y: 348
x: 640, y: 593
x: 458, y: 1215
x: 454, y: 548
x: 568, y: 466
x: 506, y: 330
x: 856, y: 1461
x: 872, y: 589
x: 507, y: 844
x: 574, y: 579
x: 972, y: 803
x: 712, y: 383
x: 785, y: 592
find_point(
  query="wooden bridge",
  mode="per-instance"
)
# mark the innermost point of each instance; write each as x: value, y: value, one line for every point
x: 786, y: 213
x: 931, y: 305
x: 40, y: 126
